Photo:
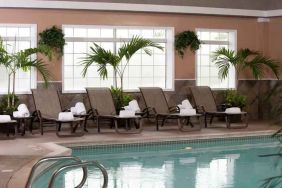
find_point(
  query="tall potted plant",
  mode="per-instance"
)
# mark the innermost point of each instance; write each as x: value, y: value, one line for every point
x: 103, y: 58
x: 23, y: 60
x: 244, y: 59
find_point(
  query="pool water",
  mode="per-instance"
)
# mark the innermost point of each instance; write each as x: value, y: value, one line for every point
x: 224, y: 164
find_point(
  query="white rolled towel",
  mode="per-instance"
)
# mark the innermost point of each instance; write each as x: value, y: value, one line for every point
x: 185, y: 104
x: 73, y: 110
x: 17, y: 114
x: 23, y: 111
x: 133, y: 105
x: 127, y: 108
x: 5, y: 118
x: 126, y: 113
x: 80, y: 108
x: 233, y: 110
x: 66, y: 116
x: 187, y: 112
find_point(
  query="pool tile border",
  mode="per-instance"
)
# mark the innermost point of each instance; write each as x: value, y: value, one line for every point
x: 265, y: 137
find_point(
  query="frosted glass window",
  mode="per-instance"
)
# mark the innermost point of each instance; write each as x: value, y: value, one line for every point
x: 207, y: 71
x: 142, y: 70
x: 18, y: 37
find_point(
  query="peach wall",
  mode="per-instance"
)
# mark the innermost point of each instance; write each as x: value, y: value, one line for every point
x: 275, y: 38
x: 250, y: 33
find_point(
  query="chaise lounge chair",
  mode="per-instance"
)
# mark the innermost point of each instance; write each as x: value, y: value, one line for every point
x: 103, y: 107
x: 205, y: 102
x: 48, y: 107
x: 158, y: 108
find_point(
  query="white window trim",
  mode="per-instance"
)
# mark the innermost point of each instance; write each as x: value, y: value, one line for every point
x: 170, y: 55
x: 223, y: 42
x: 33, y: 78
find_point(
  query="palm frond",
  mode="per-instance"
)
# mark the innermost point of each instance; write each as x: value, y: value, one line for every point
x: 43, y: 49
x: 5, y: 59
x: 273, y: 182
x: 224, y: 58
x: 101, y: 58
x: 244, y: 53
x: 127, y: 50
x: 258, y: 64
x: 40, y: 66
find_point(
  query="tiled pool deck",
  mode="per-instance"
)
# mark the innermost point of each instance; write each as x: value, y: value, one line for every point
x: 17, y: 155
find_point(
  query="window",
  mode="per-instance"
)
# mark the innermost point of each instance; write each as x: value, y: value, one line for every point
x: 207, y: 71
x: 18, y: 37
x: 143, y: 70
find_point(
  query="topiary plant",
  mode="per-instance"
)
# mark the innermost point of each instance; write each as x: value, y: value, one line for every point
x: 186, y: 39
x: 54, y: 38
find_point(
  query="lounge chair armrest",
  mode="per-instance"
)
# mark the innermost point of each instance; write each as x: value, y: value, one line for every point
x: 174, y: 109
x: 95, y: 112
x: 36, y: 115
x: 89, y: 112
x: 147, y: 111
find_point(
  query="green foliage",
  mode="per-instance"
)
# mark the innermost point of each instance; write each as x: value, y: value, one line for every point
x: 234, y: 99
x: 4, y: 107
x: 121, y: 99
x: 103, y: 58
x: 253, y: 61
x: 186, y: 39
x: 22, y: 60
x: 54, y: 38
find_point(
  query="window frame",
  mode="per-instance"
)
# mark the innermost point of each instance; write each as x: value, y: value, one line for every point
x: 234, y: 31
x: 170, y: 66
x: 33, y: 44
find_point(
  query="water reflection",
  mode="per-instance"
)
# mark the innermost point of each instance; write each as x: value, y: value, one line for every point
x: 218, y: 173
x: 162, y: 172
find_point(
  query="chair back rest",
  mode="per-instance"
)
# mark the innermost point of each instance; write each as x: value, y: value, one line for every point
x: 47, y: 102
x: 154, y: 97
x: 101, y: 100
x: 203, y: 96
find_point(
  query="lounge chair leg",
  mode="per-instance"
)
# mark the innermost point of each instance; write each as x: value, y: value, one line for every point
x: 211, y: 120
x: 163, y: 121
x: 85, y: 124
x: 157, y: 123
x: 206, y: 124
x: 227, y: 120
x: 41, y: 126
x: 59, y: 126
x: 98, y: 125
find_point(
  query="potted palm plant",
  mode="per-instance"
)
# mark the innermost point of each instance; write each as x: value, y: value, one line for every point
x: 22, y: 60
x: 244, y: 59
x: 103, y: 58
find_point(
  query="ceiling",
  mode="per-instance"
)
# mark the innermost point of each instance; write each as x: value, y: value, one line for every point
x: 234, y: 4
